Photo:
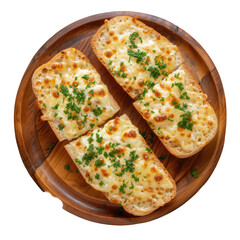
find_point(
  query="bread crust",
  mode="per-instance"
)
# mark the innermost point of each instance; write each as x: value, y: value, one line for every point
x: 178, y: 154
x: 96, y: 47
x: 54, y: 123
x: 130, y: 208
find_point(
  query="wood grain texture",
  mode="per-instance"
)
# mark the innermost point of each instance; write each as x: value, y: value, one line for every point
x: 47, y: 165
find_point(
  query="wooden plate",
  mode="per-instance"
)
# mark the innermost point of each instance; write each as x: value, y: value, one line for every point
x: 49, y: 164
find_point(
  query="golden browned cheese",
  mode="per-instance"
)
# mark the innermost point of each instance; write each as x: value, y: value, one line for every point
x: 122, y: 166
x: 70, y: 93
x: 179, y: 113
x: 135, y: 54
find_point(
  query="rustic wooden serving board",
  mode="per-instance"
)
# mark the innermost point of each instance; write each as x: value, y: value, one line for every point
x: 48, y: 162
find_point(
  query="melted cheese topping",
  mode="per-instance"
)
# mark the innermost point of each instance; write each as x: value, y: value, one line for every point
x: 71, y: 93
x: 136, y: 55
x: 179, y: 113
x: 116, y: 160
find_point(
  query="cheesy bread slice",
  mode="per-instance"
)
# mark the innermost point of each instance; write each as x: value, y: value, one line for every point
x: 179, y: 113
x: 136, y: 55
x: 116, y: 160
x: 71, y: 95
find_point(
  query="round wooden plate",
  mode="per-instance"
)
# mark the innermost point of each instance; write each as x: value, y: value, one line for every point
x: 49, y: 164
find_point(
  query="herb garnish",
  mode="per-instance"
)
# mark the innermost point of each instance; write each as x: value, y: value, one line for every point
x: 61, y: 126
x: 139, y: 55
x: 185, y: 122
x: 86, y: 77
x: 194, y: 173
x: 97, y: 111
x: 124, y: 185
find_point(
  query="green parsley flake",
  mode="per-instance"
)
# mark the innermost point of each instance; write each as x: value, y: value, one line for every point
x: 179, y: 85
x: 144, y: 135
x: 194, y: 173
x: 67, y: 167
x: 86, y: 77
x: 162, y: 157
x: 61, y: 126
x: 51, y: 146
x: 56, y: 106
x: 97, y: 176
x: 101, y: 183
x: 98, y: 163
x: 154, y: 72
x: 148, y: 150
x: 184, y: 96
x: 185, y: 122
x: 122, y: 187
x: 97, y: 111
x: 135, y: 178
x: 138, y: 55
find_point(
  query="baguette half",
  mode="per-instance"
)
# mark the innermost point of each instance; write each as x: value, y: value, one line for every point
x: 71, y: 95
x: 179, y: 113
x: 117, y: 161
x: 136, y: 55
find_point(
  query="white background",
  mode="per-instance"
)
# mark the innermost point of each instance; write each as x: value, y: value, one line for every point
x: 28, y: 213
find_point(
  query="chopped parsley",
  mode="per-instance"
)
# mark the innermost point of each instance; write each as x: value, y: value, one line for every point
x: 98, y: 163
x: 97, y: 111
x: 161, y: 99
x: 122, y: 187
x: 89, y: 84
x: 194, y: 173
x: 56, y: 106
x: 179, y: 85
x: 90, y: 179
x: 150, y: 84
x: 154, y: 72
x: 100, y: 150
x: 135, y: 178
x: 132, y: 186
x: 184, y: 96
x: 148, y: 150
x: 98, y: 138
x: 44, y: 104
x: 87, y: 157
x: 144, y: 135
x: 101, y: 183
x: 64, y: 90
x: 67, y: 167
x: 162, y: 157
x: 61, y: 126
x: 124, y: 75
x: 132, y: 39
x: 139, y: 55
x: 51, y: 146
x: 78, y: 161
x: 90, y: 140
x: 178, y: 106
x: 185, y: 122
x: 105, y: 154
x: 169, y: 119
x: 160, y: 64
x: 97, y: 176
x: 80, y: 95
x: 86, y: 77
x: 177, y: 76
